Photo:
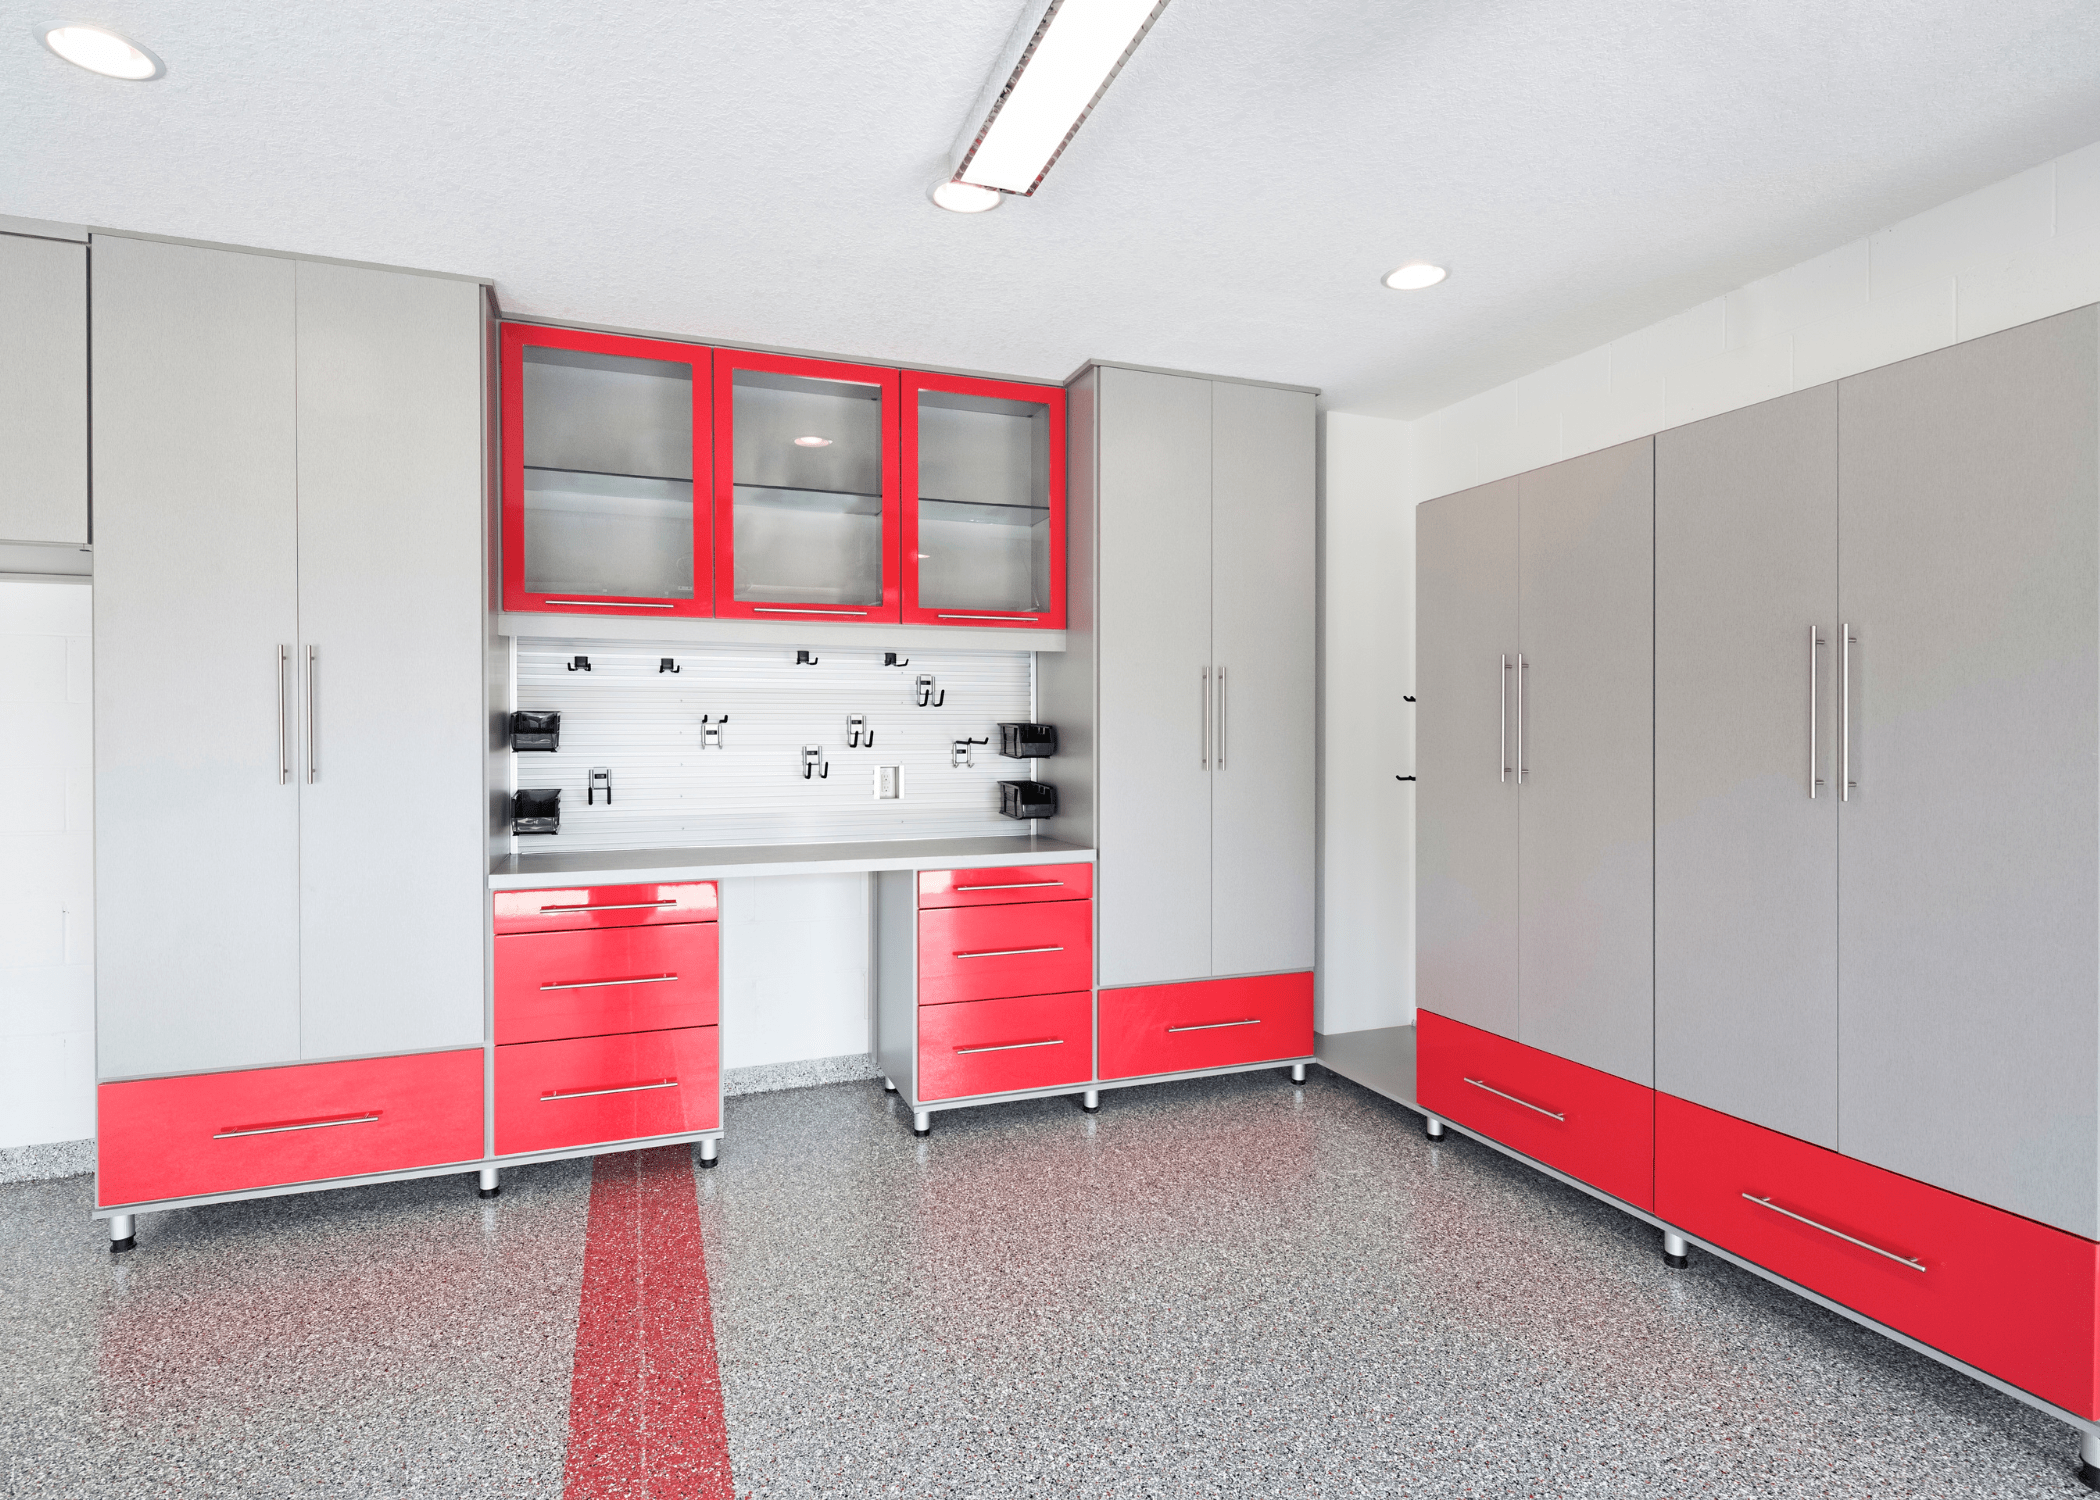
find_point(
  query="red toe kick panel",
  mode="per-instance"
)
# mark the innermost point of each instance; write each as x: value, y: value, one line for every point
x: 1206, y: 1023
x: 1594, y: 1126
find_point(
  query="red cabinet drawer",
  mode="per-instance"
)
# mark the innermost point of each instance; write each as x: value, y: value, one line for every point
x: 605, y: 906
x: 1591, y: 1125
x: 599, y: 981
x: 1206, y: 1023
x: 1006, y: 885
x: 605, y: 1088
x: 993, y: 1046
x: 264, y: 1127
x: 2004, y: 1293
x: 985, y: 952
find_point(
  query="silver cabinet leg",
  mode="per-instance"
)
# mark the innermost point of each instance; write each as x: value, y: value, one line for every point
x: 708, y: 1150
x: 2089, y: 1459
x: 922, y: 1122
x: 1090, y: 1101
x: 1297, y: 1072
x: 123, y: 1233
x: 1677, y: 1251
x: 1432, y: 1127
x: 488, y: 1188
x: 887, y: 1086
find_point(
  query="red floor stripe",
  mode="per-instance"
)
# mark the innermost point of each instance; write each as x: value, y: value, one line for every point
x: 645, y: 1398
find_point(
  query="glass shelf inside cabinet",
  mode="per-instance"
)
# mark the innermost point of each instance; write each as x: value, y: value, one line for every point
x: 808, y: 490
x: 608, y: 475
x: 984, y: 503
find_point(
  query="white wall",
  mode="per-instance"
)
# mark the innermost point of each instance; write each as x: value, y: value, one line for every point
x: 795, y: 968
x: 47, y: 976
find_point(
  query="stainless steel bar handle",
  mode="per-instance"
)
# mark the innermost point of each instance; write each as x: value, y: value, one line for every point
x: 612, y: 906
x: 1502, y: 702
x: 1056, y: 1041
x: 1901, y: 1260
x: 790, y: 609
x: 1523, y: 770
x: 599, y: 984
x: 631, y: 1088
x: 227, y: 1135
x: 1009, y: 952
x: 313, y: 698
x: 1016, y: 885
x: 1512, y: 1098
x: 1221, y: 718
x: 607, y: 604
x: 1204, y: 761
x: 1815, y: 700
x: 284, y: 716
x: 1215, y: 1025
x: 1845, y: 782
x: 988, y: 617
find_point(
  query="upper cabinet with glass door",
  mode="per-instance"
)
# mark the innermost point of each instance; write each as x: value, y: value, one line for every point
x: 984, y: 503
x: 806, y: 515
x: 603, y: 440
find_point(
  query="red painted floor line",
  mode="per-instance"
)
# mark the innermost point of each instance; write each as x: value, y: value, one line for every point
x: 645, y: 1397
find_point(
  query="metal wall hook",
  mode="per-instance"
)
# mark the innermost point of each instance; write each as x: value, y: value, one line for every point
x: 580, y: 664
x: 959, y: 753
x: 711, y: 732
x: 601, y: 781
x: 665, y: 664
x: 1407, y: 697
x: 926, y: 698
x: 813, y: 762
x: 804, y: 659
x: 892, y: 659
x: 1403, y: 778
x: 858, y: 735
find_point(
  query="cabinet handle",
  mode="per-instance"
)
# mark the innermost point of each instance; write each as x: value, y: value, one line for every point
x: 1205, y: 759
x: 599, y: 984
x: 1018, y: 885
x: 607, y: 604
x: 1523, y: 666
x: 1008, y: 952
x: 1846, y: 785
x: 284, y: 716
x: 1502, y: 703
x: 227, y: 1135
x: 787, y: 609
x: 1901, y: 1260
x: 1221, y: 718
x: 612, y: 906
x: 1056, y: 1041
x: 1215, y: 1025
x: 625, y: 1088
x: 1512, y: 1098
x: 1031, y: 619
x: 1815, y: 699
x: 313, y: 698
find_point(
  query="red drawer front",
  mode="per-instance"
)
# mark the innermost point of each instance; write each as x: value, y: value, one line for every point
x: 1207, y: 1023
x: 2006, y: 1294
x: 985, y: 952
x: 599, y: 981
x: 1591, y: 1125
x: 605, y: 1088
x: 227, y: 1132
x: 1004, y: 886
x: 994, y: 1046
x: 605, y: 906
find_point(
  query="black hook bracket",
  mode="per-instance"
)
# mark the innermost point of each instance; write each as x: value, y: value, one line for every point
x: 892, y: 659
x: 1403, y: 778
x: 665, y: 664
x: 858, y: 735
x: 959, y: 754
x: 813, y: 762
x: 926, y: 698
x: 804, y: 659
x: 580, y: 664
x: 1407, y: 697
x: 601, y: 781
x: 711, y: 732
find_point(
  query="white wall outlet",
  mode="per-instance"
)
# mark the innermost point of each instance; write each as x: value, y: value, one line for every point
x: 889, y: 783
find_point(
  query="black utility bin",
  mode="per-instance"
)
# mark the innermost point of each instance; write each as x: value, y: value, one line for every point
x: 535, y: 729
x: 536, y: 811
x: 1027, y: 799
x: 1027, y: 741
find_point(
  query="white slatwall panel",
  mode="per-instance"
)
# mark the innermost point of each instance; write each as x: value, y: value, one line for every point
x: 668, y: 792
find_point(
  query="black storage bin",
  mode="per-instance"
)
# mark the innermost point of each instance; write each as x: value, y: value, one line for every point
x: 1027, y: 799
x: 1027, y: 742
x: 531, y: 729
x: 536, y: 812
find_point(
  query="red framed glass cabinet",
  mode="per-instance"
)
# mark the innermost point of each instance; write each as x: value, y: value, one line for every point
x: 607, y: 448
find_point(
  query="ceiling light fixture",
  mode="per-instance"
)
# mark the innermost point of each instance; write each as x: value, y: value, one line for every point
x: 812, y: 442
x: 963, y: 198
x: 102, y: 52
x: 1057, y: 64
x: 1415, y: 275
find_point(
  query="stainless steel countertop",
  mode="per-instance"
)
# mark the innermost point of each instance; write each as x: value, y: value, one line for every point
x: 531, y: 872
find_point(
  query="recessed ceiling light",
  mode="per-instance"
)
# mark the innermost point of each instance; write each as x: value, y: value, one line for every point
x: 812, y: 442
x: 1415, y: 275
x: 962, y: 198
x: 103, y: 52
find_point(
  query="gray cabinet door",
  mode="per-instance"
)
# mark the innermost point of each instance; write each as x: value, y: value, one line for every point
x: 1466, y: 896
x: 1970, y: 575
x: 1153, y: 614
x: 1262, y: 655
x: 43, y: 390
x: 196, y: 818
x: 392, y: 875
x: 1585, y: 841
x: 1746, y: 845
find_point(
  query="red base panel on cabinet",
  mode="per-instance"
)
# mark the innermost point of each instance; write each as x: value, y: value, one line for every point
x: 998, y: 1046
x: 208, y: 1133
x: 1205, y: 1023
x: 596, y: 1090
x: 1592, y: 1125
x: 598, y: 981
x: 986, y: 952
x: 2002, y: 1293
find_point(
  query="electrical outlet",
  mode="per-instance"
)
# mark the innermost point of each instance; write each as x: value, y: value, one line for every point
x: 889, y: 783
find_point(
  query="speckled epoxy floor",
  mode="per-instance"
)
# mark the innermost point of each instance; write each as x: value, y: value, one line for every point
x: 1226, y: 1287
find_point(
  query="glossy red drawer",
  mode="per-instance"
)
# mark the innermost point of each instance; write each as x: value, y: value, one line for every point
x: 603, y: 980
x: 987, y: 952
x: 2004, y: 1293
x: 1003, y: 886
x: 995, y: 1046
x: 264, y: 1127
x: 593, y: 1090
x: 605, y: 906
x: 1591, y: 1125
x: 1207, y: 1023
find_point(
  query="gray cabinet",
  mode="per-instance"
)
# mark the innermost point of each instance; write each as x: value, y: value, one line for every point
x: 43, y: 390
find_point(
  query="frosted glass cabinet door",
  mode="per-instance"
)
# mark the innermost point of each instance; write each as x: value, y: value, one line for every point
x: 603, y: 438
x: 806, y: 519
x: 984, y: 502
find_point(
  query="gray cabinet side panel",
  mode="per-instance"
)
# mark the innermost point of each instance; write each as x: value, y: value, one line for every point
x: 1262, y: 647
x: 1466, y: 909
x: 1745, y: 858
x: 43, y: 390
x: 1586, y: 836
x: 1064, y: 680
x: 1154, y: 621
x: 393, y: 875
x: 196, y: 589
x: 1969, y: 570
x: 897, y: 978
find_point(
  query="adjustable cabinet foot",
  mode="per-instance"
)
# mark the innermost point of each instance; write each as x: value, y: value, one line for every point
x: 709, y: 1152
x: 922, y: 1122
x: 888, y: 1087
x: 488, y: 1187
x: 1677, y: 1251
x: 1090, y: 1101
x: 1432, y: 1127
x: 123, y: 1233
x: 1297, y: 1072
x: 2089, y: 1459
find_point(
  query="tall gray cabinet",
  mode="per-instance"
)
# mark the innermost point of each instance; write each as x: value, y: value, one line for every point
x: 43, y: 391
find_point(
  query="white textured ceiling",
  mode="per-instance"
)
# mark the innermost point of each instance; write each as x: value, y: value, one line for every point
x: 756, y: 170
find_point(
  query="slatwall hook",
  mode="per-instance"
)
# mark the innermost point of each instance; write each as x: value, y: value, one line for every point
x: 601, y: 781
x: 580, y: 664
x: 711, y: 732
x: 959, y: 754
x: 804, y: 659
x: 926, y: 698
x: 665, y: 664
x: 892, y: 659
x: 1407, y: 697
x: 812, y: 760
x: 858, y: 735
x: 1403, y: 778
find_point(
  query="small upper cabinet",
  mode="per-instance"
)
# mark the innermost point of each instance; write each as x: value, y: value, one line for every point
x: 43, y: 390
x: 606, y: 446
x: 806, y: 514
x: 984, y: 503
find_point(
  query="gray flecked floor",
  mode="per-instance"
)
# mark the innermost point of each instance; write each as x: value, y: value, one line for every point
x: 1226, y: 1287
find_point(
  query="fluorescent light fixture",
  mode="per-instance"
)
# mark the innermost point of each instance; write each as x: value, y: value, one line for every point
x: 962, y: 198
x: 1059, y: 61
x: 102, y: 52
x: 1415, y: 275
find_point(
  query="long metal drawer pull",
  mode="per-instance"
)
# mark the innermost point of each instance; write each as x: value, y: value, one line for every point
x: 1056, y: 1041
x: 227, y: 1135
x: 1215, y: 1025
x: 787, y: 609
x: 1030, y: 618
x: 607, y: 604
x: 1502, y: 702
x: 313, y: 697
x: 1901, y: 1260
x: 612, y: 906
x: 627, y: 1088
x: 1845, y: 782
x: 1018, y: 885
x: 1512, y: 1098
x: 599, y: 984
x: 1009, y: 952
x: 1815, y: 698
x: 284, y: 716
